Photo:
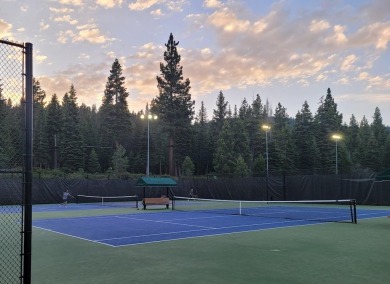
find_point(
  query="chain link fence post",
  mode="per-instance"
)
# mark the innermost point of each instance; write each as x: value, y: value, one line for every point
x: 16, y: 100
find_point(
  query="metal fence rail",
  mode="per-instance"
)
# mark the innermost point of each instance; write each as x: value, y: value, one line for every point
x: 15, y: 161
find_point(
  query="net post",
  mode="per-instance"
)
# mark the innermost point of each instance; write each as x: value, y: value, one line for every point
x: 354, y: 211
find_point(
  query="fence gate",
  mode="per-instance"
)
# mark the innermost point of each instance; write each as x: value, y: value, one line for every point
x: 15, y: 162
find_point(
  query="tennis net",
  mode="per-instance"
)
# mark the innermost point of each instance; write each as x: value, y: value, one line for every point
x: 116, y: 201
x: 311, y: 210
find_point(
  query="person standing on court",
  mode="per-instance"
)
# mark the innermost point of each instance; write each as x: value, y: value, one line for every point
x: 65, y: 197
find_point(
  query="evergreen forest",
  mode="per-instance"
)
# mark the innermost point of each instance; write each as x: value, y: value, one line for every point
x: 227, y: 140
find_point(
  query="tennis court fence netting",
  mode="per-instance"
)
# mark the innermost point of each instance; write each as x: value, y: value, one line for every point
x: 343, y: 210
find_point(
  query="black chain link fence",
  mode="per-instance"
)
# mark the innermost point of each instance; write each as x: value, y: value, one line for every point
x: 12, y: 143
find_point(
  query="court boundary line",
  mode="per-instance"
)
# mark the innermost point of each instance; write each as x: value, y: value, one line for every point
x: 220, y: 234
x: 211, y: 235
x: 204, y: 229
x: 72, y: 236
x: 247, y: 231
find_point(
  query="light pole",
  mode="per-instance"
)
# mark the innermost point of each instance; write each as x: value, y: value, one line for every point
x: 336, y: 137
x: 148, y: 116
x: 266, y: 128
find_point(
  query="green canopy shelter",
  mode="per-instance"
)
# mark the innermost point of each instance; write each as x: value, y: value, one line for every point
x: 164, y: 182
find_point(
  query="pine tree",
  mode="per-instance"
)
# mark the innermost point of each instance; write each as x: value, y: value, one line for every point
x: 173, y: 104
x: 378, y: 129
x: 386, y: 154
x: 258, y: 166
x: 93, y: 165
x: 54, y: 125
x: 241, y: 168
x: 71, y: 141
x: 119, y: 161
x: 380, y: 134
x: 327, y: 121
x: 368, y: 149
x: 188, y: 166
x: 202, y: 146
x: 351, y: 139
x: 283, y: 148
x: 5, y: 137
x: 240, y: 141
x: 11, y: 134
x: 303, y: 138
x: 254, y: 123
x: 220, y: 113
x: 224, y: 160
x: 40, y: 140
x: 114, y: 116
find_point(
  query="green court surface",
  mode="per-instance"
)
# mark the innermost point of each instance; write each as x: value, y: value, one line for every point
x: 323, y: 253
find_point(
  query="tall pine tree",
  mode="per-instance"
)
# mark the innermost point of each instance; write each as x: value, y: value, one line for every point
x: 54, y: 124
x: 71, y: 141
x: 115, y: 119
x: 174, y: 105
x: 40, y: 144
x: 327, y: 121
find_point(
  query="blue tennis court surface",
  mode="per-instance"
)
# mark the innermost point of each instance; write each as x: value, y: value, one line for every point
x: 133, y: 229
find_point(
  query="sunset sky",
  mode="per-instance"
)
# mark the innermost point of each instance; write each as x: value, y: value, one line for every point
x: 287, y: 51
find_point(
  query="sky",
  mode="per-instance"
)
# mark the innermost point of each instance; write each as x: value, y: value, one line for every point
x: 287, y: 51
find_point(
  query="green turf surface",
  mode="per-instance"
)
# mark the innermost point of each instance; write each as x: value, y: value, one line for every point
x: 326, y: 253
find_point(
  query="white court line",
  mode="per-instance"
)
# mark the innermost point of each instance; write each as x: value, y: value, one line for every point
x: 218, y: 234
x: 204, y: 229
x: 165, y: 222
x: 68, y: 235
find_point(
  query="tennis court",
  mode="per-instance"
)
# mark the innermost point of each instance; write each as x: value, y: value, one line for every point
x: 94, y: 244
x: 169, y: 225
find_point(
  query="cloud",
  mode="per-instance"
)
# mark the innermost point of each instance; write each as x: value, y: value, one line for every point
x: 376, y: 34
x: 5, y: 29
x: 72, y: 2
x: 109, y: 3
x: 318, y: 26
x: 176, y: 5
x: 63, y: 36
x: 86, y: 33
x: 89, y: 81
x: 348, y: 62
x: 43, y: 26
x: 212, y: 3
x: 157, y: 13
x: 63, y: 10
x: 372, y: 81
x: 338, y: 37
x: 140, y: 5
x: 39, y: 58
x: 173, y: 5
x: 84, y: 56
x: 24, y: 8
x: 66, y: 19
x: 92, y: 35
x: 227, y: 21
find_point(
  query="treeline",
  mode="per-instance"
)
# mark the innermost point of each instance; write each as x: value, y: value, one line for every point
x: 75, y: 138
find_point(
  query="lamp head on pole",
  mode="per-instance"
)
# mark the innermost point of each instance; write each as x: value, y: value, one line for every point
x: 336, y: 137
x: 149, y: 116
x: 266, y: 127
